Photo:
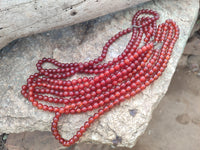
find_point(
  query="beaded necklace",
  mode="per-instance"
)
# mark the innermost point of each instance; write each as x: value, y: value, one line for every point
x: 114, y: 82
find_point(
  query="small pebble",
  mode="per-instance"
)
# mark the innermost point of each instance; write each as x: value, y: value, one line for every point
x: 133, y: 112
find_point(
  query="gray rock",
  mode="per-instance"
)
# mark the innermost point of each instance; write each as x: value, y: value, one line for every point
x: 80, y: 43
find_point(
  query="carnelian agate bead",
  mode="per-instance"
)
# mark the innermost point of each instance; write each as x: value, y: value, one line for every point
x: 113, y: 82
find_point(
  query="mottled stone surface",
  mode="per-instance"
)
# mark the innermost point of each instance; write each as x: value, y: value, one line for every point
x: 21, y: 18
x: 81, y: 43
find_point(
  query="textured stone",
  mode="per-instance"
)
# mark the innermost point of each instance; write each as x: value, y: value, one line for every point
x: 80, y: 43
x: 21, y: 18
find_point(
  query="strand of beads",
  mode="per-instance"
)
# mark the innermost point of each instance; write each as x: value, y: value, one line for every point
x: 114, y: 82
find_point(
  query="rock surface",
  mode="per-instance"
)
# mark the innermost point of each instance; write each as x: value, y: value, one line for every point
x: 80, y: 43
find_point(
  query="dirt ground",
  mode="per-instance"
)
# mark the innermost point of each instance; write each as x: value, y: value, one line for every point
x: 175, y: 123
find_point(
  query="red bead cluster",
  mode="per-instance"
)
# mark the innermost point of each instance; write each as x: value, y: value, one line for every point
x: 123, y: 77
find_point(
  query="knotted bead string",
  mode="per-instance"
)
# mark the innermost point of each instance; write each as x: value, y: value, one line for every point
x: 114, y: 82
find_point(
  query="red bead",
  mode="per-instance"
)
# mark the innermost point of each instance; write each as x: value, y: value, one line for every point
x: 82, y: 129
x: 78, y: 134
x: 91, y: 120
x: 96, y: 105
x: 71, y: 141
x: 86, y: 124
x: 61, y: 110
x: 39, y: 106
x: 35, y: 103
x: 142, y: 79
x: 96, y: 116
